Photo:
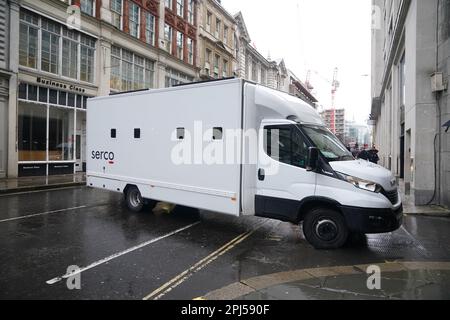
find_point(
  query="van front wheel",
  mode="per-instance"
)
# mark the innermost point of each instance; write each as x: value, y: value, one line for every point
x: 134, y: 199
x: 325, y: 229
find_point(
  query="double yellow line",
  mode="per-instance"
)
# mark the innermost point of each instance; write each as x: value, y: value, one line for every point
x: 186, y: 274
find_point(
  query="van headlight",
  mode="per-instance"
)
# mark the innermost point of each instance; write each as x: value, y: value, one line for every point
x: 360, y: 183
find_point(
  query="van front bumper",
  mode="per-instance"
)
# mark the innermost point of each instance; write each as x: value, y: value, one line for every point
x: 365, y: 220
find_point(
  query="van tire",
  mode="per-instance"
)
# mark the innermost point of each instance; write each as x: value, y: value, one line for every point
x: 325, y: 229
x: 134, y: 200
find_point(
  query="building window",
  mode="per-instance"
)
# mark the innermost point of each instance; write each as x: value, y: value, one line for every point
x: 138, y: 78
x: 191, y: 7
x: 127, y: 70
x: 208, y: 21
x: 116, y: 57
x: 70, y: 54
x: 149, y: 73
x: 169, y: 4
x: 28, y: 39
x: 263, y: 76
x: 134, y: 19
x: 174, y: 78
x: 254, y: 72
x: 180, y: 8
x: 63, y: 52
x: 32, y: 129
x: 168, y: 38
x: 402, y: 72
x: 190, y: 46
x: 225, y: 34
x: 50, y: 46
x: 208, y: 61
x: 247, y: 67
x: 87, y: 6
x: 216, y: 66
x: 87, y: 53
x: 150, y: 28
x: 218, y: 27
x: 60, y: 146
x: 225, y: 69
x: 180, y: 47
x: 130, y: 71
x: 116, y: 13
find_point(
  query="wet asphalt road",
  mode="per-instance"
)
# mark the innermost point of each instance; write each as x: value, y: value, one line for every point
x: 43, y: 233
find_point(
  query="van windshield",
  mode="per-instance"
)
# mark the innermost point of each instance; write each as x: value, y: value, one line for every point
x: 328, y: 144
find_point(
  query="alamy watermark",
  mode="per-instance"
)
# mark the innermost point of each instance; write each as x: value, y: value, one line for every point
x: 226, y: 147
x: 74, y: 278
x: 374, y: 279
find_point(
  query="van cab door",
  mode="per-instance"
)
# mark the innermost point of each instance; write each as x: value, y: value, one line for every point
x: 282, y: 179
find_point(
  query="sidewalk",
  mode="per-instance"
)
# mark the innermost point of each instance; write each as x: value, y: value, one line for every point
x: 26, y: 184
x: 409, y: 207
x: 399, y: 281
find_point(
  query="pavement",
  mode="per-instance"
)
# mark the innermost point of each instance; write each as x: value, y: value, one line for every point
x: 53, y: 239
x: 26, y: 184
x: 409, y: 206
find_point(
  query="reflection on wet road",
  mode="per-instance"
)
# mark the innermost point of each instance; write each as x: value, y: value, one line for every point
x: 188, y: 254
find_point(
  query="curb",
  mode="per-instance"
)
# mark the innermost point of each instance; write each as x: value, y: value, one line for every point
x: 42, y: 187
x: 445, y: 214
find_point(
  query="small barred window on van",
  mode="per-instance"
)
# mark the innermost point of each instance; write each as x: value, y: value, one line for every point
x: 180, y: 133
x: 218, y: 133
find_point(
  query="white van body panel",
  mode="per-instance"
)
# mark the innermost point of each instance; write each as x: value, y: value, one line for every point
x: 147, y: 163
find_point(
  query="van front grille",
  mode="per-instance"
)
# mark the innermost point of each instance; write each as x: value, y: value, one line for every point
x: 391, y: 195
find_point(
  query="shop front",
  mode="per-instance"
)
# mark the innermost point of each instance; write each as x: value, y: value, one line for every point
x: 51, y: 125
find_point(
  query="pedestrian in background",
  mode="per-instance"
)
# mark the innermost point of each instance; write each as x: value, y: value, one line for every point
x: 364, y: 155
x: 355, y: 150
x: 373, y: 155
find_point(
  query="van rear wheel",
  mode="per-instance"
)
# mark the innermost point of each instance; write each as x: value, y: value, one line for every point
x: 325, y: 229
x: 134, y: 199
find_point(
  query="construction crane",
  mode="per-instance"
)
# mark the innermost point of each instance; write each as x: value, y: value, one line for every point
x: 334, y: 88
x: 308, y: 83
x: 335, y: 84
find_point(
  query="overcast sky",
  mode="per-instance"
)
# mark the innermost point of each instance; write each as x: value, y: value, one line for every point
x: 317, y: 35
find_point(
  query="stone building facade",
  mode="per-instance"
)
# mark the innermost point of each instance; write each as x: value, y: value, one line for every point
x: 217, y: 44
x: 410, y: 43
x: 68, y: 51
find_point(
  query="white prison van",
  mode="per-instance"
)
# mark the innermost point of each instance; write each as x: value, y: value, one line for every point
x: 237, y: 148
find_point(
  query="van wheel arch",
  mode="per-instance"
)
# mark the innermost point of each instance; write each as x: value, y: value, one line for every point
x: 311, y: 204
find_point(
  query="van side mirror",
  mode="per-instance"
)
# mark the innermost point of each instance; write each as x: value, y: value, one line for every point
x: 313, y: 159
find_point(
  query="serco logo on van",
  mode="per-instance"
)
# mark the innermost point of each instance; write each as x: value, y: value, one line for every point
x: 103, y: 155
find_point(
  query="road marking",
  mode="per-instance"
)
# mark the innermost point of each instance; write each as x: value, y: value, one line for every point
x: 44, y: 190
x: 421, y: 248
x: 185, y: 275
x: 42, y: 213
x: 119, y: 254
